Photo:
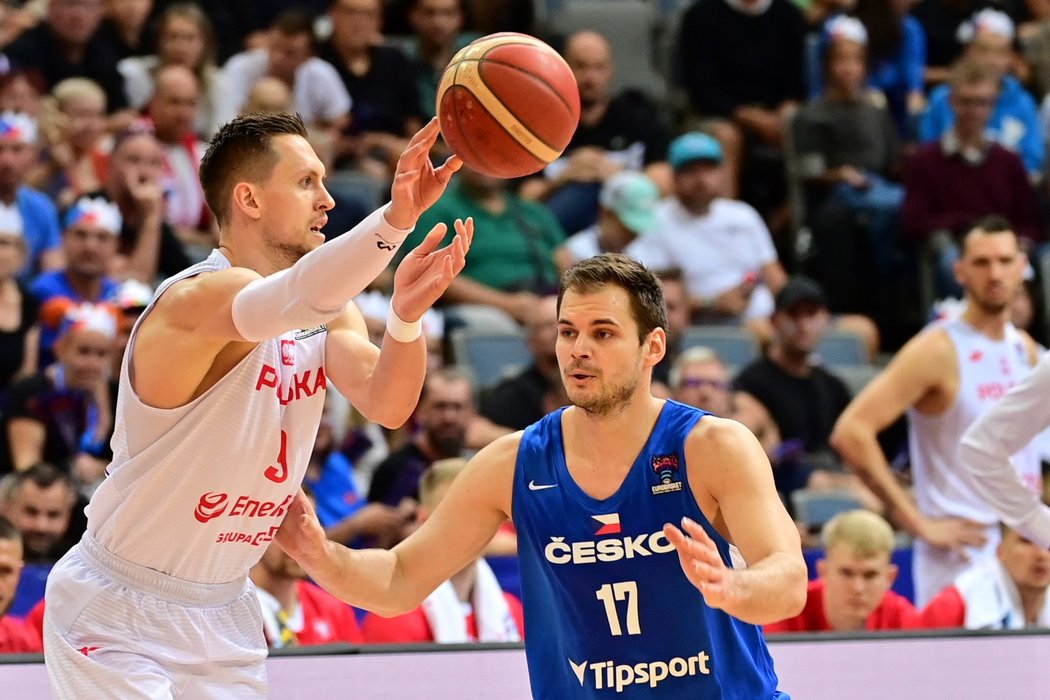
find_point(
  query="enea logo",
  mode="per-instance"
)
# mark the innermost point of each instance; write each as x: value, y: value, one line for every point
x: 666, y: 467
x: 608, y: 524
x: 609, y: 675
x: 211, y: 505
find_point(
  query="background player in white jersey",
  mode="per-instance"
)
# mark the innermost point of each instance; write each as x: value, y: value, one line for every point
x: 591, y: 488
x: 221, y: 393
x: 944, y: 378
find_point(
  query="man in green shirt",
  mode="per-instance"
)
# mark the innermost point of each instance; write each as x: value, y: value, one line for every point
x: 511, y: 259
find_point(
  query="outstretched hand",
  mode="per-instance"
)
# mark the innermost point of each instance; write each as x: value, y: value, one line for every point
x: 702, y: 563
x: 301, y: 535
x: 425, y: 273
x: 417, y: 183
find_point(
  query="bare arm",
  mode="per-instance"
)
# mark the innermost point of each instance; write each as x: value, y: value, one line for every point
x: 464, y: 290
x: 921, y: 373
x: 392, y: 582
x: 1001, y: 432
x: 26, y: 437
x: 727, y: 466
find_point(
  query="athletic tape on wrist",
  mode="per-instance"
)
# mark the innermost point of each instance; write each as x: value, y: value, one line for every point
x: 401, y: 331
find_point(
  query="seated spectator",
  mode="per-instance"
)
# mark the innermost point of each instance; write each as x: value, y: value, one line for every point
x: 964, y: 176
x: 89, y: 243
x: 382, y: 82
x: 268, y: 94
x: 40, y: 501
x: 442, y: 417
x: 22, y: 91
x: 468, y: 607
x: 700, y: 378
x: 627, y: 206
x: 15, y: 637
x: 171, y: 112
x: 847, y: 151
x: 509, y: 266
x: 676, y: 301
x: 438, y: 29
x: 725, y: 251
x: 18, y: 152
x: 19, y: 333
x: 66, y: 44
x: 295, y: 612
x: 64, y: 414
x: 742, y: 66
x: 1004, y: 593
x: 896, y: 59
x: 341, y: 508
x: 148, y: 246
x: 318, y: 94
x: 852, y: 592
x: 803, y: 398
x: 124, y: 27
x: 621, y: 132
x: 519, y: 401
x: 1014, y: 121
x: 184, y: 38
x: 76, y: 152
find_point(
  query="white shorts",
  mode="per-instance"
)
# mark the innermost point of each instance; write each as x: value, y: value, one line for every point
x: 934, y: 569
x: 114, y: 629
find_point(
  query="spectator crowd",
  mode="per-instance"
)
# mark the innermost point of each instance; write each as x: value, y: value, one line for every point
x: 807, y: 174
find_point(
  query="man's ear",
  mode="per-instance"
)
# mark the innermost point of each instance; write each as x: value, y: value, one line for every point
x: 656, y: 346
x: 246, y: 201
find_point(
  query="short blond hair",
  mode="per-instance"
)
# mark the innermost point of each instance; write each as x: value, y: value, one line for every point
x: 78, y: 89
x: 440, y: 474
x: 864, y: 532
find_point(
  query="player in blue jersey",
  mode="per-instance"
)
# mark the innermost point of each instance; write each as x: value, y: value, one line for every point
x: 610, y: 610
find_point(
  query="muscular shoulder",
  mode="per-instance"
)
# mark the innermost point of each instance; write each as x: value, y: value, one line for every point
x: 185, y: 304
x: 931, y: 353
x: 719, y: 435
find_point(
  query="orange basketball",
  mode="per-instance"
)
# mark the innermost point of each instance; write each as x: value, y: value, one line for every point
x: 508, y: 104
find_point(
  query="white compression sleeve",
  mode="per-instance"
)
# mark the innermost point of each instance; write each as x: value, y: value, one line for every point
x: 318, y: 287
x: 1000, y: 432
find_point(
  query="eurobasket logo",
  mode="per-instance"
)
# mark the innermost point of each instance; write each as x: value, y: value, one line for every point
x: 666, y: 467
x: 608, y: 524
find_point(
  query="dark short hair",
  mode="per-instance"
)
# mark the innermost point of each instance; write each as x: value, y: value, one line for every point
x: 295, y: 22
x: 42, y: 475
x: 647, y: 296
x: 670, y: 274
x: 8, y: 531
x: 970, y: 72
x: 241, y: 151
x: 991, y: 224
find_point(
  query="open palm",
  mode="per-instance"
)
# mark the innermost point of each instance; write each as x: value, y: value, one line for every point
x: 417, y: 183
x: 425, y: 273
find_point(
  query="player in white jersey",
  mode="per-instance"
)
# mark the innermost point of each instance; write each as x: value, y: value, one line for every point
x: 221, y: 392
x: 944, y: 378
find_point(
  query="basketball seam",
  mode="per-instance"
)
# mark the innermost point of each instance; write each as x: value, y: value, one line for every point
x: 478, y: 157
x: 497, y: 102
x: 554, y: 91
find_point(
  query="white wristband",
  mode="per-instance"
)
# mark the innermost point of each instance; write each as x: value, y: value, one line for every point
x: 401, y: 331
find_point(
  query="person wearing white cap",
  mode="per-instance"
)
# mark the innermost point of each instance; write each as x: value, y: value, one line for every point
x: 627, y: 209
x: 65, y: 410
x: 1014, y: 122
x: 20, y: 336
x: 848, y: 156
x: 89, y: 243
x: 40, y: 225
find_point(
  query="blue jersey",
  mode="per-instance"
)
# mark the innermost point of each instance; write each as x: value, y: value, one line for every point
x: 608, y: 611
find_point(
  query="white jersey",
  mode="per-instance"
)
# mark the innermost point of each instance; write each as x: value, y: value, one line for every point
x: 198, y: 491
x: 992, y: 600
x: 987, y: 370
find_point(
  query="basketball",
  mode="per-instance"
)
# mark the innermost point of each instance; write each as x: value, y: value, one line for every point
x: 508, y: 104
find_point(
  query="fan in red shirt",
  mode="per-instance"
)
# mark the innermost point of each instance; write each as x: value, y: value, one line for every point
x: 855, y: 576
x: 15, y: 638
x: 296, y: 612
x: 468, y: 607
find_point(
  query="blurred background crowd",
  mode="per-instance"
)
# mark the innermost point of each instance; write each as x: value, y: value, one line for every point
x: 799, y: 173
